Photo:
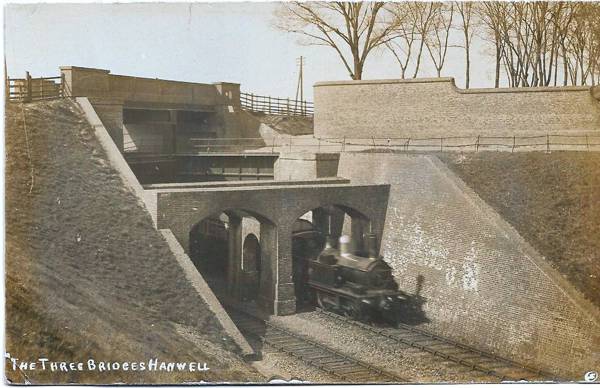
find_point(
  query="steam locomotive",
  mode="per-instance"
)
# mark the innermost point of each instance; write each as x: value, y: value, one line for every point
x: 359, y: 285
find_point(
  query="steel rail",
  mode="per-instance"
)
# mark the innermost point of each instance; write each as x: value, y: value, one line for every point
x: 326, y: 359
x: 465, y: 359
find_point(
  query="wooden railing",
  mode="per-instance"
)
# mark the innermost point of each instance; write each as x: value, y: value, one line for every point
x: 34, y: 89
x: 543, y: 142
x: 276, y: 106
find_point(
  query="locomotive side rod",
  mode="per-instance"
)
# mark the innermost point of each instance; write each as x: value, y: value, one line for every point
x: 341, y: 366
x: 466, y: 359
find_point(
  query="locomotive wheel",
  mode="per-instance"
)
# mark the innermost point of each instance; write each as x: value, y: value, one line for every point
x: 355, y: 311
x: 321, y: 302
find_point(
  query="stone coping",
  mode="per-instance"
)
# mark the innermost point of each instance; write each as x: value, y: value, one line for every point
x: 238, y: 184
x: 251, y: 189
x: 104, y: 71
x: 452, y: 81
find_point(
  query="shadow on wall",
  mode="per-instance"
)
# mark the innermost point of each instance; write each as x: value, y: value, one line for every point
x: 411, y: 311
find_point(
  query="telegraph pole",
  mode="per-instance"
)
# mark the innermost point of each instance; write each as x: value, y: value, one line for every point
x: 300, y: 86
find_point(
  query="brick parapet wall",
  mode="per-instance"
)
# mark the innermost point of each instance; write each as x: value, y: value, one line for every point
x: 436, y: 107
x: 479, y: 281
x: 99, y: 83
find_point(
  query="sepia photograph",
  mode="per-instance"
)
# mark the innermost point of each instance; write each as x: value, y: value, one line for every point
x: 402, y: 192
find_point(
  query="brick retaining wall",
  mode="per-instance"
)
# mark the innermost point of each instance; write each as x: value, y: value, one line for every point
x: 481, y: 283
x: 436, y: 107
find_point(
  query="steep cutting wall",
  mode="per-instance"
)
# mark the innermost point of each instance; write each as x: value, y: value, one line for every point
x: 87, y: 274
x: 479, y: 281
x: 435, y: 107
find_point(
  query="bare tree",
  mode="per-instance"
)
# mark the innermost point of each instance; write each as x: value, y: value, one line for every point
x: 439, y: 33
x: 422, y: 16
x: 407, y: 34
x: 467, y: 13
x: 492, y: 15
x: 353, y: 30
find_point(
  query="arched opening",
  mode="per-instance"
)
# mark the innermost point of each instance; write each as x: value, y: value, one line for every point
x: 309, y: 235
x: 233, y: 251
x: 251, y: 263
x: 209, y: 245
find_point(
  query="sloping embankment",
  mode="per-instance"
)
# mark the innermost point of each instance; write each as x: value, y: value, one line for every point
x: 474, y: 278
x: 553, y: 200
x: 287, y: 125
x: 87, y: 275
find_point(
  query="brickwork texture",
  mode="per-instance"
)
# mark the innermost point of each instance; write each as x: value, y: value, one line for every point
x: 480, y: 283
x: 436, y: 107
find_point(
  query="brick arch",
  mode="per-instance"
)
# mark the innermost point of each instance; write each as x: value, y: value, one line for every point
x: 278, y: 207
x: 232, y: 211
x: 351, y: 209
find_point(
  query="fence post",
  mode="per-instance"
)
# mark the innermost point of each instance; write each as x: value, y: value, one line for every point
x: 477, y: 144
x: 407, y: 143
x: 252, y: 102
x: 28, y: 86
x: 441, y: 144
x: 269, y: 104
x: 374, y: 146
x: 514, y: 143
x: 344, y: 144
x: 62, y: 85
x: 7, y: 88
x: 547, y: 142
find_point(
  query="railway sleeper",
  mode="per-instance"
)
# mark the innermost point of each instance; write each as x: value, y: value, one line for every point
x: 279, y: 338
x: 341, y: 364
x: 360, y: 377
x: 317, y: 357
x: 304, y: 349
x: 347, y: 370
x: 285, y: 340
x: 443, y: 346
x: 332, y: 362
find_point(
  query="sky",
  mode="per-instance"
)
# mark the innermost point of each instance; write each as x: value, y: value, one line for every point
x: 196, y: 42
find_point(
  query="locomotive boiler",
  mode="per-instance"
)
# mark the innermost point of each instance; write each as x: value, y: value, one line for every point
x: 357, y: 284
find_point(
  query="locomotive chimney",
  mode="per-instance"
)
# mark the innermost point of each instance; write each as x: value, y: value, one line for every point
x: 371, y: 245
x: 345, y: 245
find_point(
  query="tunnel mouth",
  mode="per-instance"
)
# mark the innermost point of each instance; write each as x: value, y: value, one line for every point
x: 209, y: 248
x: 227, y: 249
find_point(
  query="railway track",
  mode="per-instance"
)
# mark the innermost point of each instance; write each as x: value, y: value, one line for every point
x: 341, y: 366
x: 449, y: 350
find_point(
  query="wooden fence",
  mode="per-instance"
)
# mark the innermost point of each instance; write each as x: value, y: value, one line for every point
x: 34, y: 89
x: 545, y: 142
x: 276, y: 106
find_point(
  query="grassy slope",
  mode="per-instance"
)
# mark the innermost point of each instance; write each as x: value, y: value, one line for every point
x: 288, y: 125
x: 553, y: 200
x: 87, y: 275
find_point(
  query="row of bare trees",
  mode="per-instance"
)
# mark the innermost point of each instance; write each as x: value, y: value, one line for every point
x: 532, y: 43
